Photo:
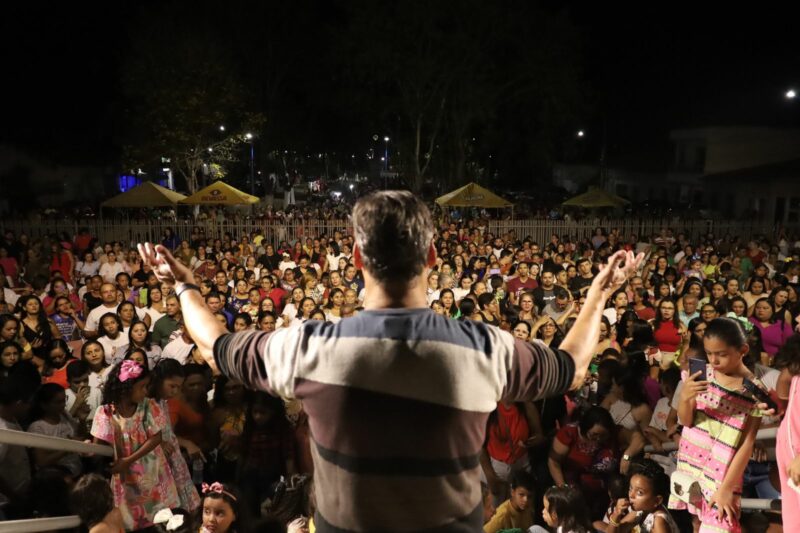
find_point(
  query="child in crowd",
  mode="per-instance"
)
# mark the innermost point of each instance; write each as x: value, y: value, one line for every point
x: 517, y: 511
x: 656, y: 432
x: 643, y: 511
x: 565, y: 511
x: 93, y: 501
x: 720, y: 425
x: 221, y: 510
x: 133, y: 425
x: 268, y: 448
x: 617, y: 486
x: 82, y: 400
x: 165, y: 383
x: 49, y: 418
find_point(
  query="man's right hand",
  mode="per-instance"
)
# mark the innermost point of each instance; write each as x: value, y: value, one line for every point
x: 166, y: 268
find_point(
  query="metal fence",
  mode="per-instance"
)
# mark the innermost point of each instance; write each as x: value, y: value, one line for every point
x: 132, y: 231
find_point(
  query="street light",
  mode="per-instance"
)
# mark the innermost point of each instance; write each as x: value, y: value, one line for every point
x: 791, y: 94
x: 386, y: 153
x: 222, y: 128
x: 581, y: 133
x: 249, y: 137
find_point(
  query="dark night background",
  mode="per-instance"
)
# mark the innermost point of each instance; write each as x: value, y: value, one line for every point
x: 323, y: 74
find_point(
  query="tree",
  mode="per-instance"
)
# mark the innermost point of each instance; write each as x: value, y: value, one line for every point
x: 452, y: 74
x: 180, y: 87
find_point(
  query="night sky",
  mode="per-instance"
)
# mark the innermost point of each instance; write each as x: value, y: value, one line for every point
x: 645, y: 72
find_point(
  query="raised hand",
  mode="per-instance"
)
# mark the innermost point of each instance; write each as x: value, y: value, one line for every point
x: 166, y: 268
x: 621, y: 267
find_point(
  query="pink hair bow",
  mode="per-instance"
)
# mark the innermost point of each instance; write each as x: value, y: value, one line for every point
x: 218, y: 488
x: 214, y: 487
x: 130, y: 370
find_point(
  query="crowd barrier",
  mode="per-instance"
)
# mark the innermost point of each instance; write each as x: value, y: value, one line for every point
x: 21, y: 438
x: 133, y: 231
x: 33, y: 440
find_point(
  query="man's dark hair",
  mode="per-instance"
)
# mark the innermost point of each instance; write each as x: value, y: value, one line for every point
x: 393, y: 230
x: 560, y: 293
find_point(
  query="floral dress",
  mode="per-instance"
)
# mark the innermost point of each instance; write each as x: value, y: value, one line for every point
x: 708, y: 447
x: 177, y: 464
x: 148, y: 486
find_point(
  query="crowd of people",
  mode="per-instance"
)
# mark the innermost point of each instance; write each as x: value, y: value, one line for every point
x: 94, y: 347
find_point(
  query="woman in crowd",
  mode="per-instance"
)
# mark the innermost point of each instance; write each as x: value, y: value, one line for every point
x: 333, y: 309
x: 548, y: 332
x: 583, y: 454
x: 58, y: 358
x: 37, y: 329
x: 111, y: 337
x: 668, y: 331
x: 774, y: 331
x: 155, y: 307
x: 226, y: 425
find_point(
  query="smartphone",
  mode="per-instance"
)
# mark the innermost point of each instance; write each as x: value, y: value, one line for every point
x: 697, y: 365
x: 759, y: 394
x: 493, y: 271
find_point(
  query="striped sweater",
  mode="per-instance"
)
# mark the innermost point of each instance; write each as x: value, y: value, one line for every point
x: 397, y: 402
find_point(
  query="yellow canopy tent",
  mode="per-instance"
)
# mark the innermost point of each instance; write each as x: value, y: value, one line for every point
x: 596, y: 197
x: 220, y: 193
x: 473, y: 195
x: 148, y: 194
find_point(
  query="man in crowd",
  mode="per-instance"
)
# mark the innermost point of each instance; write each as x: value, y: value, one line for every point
x: 108, y: 293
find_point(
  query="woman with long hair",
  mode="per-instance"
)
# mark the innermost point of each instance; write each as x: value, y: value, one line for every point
x: 59, y: 357
x: 139, y: 338
x: 37, y: 329
x: 668, y: 331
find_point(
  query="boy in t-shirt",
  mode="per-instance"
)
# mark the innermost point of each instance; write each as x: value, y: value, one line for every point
x: 656, y: 432
x: 517, y: 511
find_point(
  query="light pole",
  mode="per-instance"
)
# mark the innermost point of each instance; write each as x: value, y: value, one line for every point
x: 249, y: 137
x: 386, y: 153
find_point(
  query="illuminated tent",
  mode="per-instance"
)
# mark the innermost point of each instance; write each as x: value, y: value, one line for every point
x: 148, y: 194
x: 596, y: 197
x: 473, y: 195
x: 220, y: 193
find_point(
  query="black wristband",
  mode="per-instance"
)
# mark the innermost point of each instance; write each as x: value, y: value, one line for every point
x: 187, y: 287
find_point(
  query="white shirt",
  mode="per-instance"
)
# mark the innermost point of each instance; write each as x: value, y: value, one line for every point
x: 93, y: 320
x: 660, y: 414
x: 283, y: 265
x: 109, y: 272
x: 94, y: 400
x: 459, y: 294
x: 87, y: 269
x: 177, y: 349
x: 154, y: 316
x: 11, y: 296
x: 113, y: 348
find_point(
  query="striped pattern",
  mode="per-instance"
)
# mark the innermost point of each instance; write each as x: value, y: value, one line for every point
x: 397, y: 402
x: 708, y: 447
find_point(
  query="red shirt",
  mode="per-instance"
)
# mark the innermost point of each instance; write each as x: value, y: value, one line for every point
x: 505, y: 434
x: 668, y: 337
x: 582, y: 456
x: 648, y: 313
x: 516, y: 286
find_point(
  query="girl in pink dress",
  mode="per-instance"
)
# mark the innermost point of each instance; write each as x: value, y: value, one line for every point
x: 134, y: 425
x: 720, y: 422
x: 787, y: 443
